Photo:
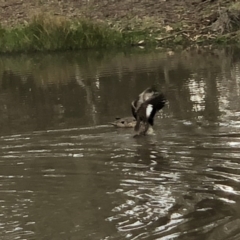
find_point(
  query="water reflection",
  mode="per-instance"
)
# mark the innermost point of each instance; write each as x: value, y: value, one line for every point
x: 66, y: 174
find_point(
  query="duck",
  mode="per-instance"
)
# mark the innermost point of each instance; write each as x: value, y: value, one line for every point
x: 124, y: 122
x: 144, y: 109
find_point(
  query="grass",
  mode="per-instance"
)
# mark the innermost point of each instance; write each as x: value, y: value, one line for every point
x: 46, y: 33
x: 54, y: 33
x: 235, y: 6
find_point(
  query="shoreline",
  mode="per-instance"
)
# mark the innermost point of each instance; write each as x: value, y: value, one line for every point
x: 217, y: 23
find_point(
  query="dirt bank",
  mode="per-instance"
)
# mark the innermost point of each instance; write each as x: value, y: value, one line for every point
x: 195, y: 20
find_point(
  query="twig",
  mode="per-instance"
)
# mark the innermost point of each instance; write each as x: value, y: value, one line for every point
x: 200, y: 5
x: 11, y: 5
x: 173, y: 35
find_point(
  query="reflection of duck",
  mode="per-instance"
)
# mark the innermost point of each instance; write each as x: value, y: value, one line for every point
x: 144, y: 108
x: 127, y: 122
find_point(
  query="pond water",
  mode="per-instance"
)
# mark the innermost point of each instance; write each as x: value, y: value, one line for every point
x: 66, y: 174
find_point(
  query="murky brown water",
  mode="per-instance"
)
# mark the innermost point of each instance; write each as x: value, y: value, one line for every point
x: 66, y: 174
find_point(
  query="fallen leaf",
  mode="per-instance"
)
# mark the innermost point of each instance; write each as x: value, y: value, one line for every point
x: 168, y: 28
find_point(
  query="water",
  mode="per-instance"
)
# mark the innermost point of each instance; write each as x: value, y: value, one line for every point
x: 66, y: 174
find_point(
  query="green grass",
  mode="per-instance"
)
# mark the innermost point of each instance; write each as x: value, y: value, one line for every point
x: 53, y: 33
x: 235, y: 6
x: 45, y: 33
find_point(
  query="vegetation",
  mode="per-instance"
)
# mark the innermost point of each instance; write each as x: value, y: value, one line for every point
x: 191, y: 23
x: 45, y: 32
x: 54, y: 33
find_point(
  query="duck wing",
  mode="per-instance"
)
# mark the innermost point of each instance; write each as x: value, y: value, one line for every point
x: 147, y: 94
x: 148, y: 103
x: 133, y: 108
x: 157, y: 100
x: 153, y: 105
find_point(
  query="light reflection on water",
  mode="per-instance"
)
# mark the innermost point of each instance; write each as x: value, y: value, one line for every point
x: 66, y: 174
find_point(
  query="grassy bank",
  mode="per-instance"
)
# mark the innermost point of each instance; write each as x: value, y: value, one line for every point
x: 47, y: 32
x: 50, y: 33
x: 56, y: 33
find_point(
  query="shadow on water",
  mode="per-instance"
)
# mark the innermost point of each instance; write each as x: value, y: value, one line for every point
x: 66, y: 174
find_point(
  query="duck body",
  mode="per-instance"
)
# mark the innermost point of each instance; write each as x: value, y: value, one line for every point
x: 126, y: 122
x: 129, y: 122
x: 145, y: 107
